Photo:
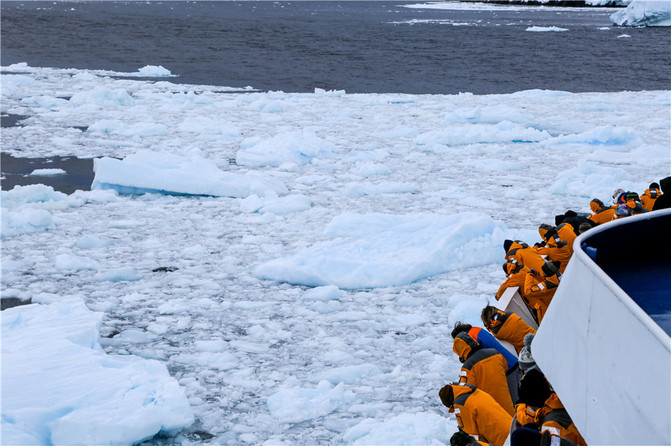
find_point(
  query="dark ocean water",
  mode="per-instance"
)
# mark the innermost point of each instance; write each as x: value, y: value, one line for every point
x: 360, y: 47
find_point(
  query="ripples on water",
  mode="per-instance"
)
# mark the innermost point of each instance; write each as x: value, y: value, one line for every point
x: 359, y: 47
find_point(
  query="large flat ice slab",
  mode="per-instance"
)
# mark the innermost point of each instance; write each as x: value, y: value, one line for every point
x: 154, y: 172
x: 60, y: 387
x: 377, y: 250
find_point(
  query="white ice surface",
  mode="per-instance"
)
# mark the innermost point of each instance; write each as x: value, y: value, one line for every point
x: 60, y: 387
x: 264, y: 361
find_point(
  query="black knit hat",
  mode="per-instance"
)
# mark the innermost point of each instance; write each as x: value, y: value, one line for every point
x: 534, y: 389
x: 507, y: 244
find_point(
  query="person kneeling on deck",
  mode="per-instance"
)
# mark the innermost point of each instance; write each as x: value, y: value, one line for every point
x: 506, y: 326
x: 601, y: 212
x: 524, y: 254
x: 539, y: 407
x: 553, y: 247
x: 485, y: 368
x: 477, y: 413
x: 540, y: 287
x: 515, y: 275
x: 486, y: 340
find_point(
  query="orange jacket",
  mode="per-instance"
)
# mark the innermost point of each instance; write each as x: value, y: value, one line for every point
x: 649, y: 197
x: 553, y: 417
x: 526, y: 255
x: 567, y: 234
x: 554, y: 247
x: 510, y: 327
x: 479, y: 414
x: 602, y: 213
x: 524, y: 414
x: 516, y: 274
x: 539, y: 291
x: 485, y: 368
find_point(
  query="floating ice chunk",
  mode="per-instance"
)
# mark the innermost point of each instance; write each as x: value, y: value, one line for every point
x: 296, y: 404
x: 588, y: 180
x: 63, y: 388
x: 72, y: 262
x: 411, y: 249
x: 296, y: 147
x: 147, y: 171
x: 121, y: 274
x: 644, y: 13
x: 348, y: 374
x: 406, y: 428
x: 47, y: 172
x: 488, y: 115
x: 624, y: 36
x: 202, y: 125
x: 118, y: 128
x: 31, y: 194
x: 103, y: 97
x: 43, y: 102
x: 371, y: 170
x: 215, y: 360
x: 603, y: 136
x: 92, y: 243
x: 21, y: 221
x: 542, y: 29
x: 385, y: 187
x: 324, y: 293
x: 154, y: 71
x: 274, y: 205
x: 482, y: 133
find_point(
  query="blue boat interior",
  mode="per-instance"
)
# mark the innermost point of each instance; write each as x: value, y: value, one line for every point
x: 637, y: 256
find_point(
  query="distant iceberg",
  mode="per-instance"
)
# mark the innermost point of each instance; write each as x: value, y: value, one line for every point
x: 154, y: 172
x: 644, y: 13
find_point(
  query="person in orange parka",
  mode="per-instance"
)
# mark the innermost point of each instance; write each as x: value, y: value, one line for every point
x: 540, y: 406
x: 567, y: 234
x: 540, y: 287
x: 601, y: 212
x: 515, y: 275
x: 506, y: 326
x: 477, y: 413
x: 553, y: 247
x: 650, y: 195
x: 524, y: 254
x: 485, y: 368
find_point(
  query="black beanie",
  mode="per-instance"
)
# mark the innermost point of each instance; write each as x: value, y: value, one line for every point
x: 534, y: 389
x: 507, y: 244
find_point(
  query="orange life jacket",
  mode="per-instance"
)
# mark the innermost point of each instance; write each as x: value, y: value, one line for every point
x: 552, y: 417
x: 554, y: 247
x: 510, y: 327
x: 485, y: 368
x: 478, y: 414
x: 524, y: 414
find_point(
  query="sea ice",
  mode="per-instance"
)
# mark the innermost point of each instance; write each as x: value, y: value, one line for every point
x: 644, y: 13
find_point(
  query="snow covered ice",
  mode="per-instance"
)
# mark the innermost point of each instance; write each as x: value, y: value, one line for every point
x: 644, y: 13
x: 309, y: 297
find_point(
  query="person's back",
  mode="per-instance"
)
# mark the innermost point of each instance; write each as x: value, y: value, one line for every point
x: 515, y: 274
x: 664, y: 200
x: 506, y: 326
x: 651, y: 194
x: 484, y: 368
x: 523, y: 253
x: 477, y: 412
x: 540, y: 287
x: 601, y: 212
